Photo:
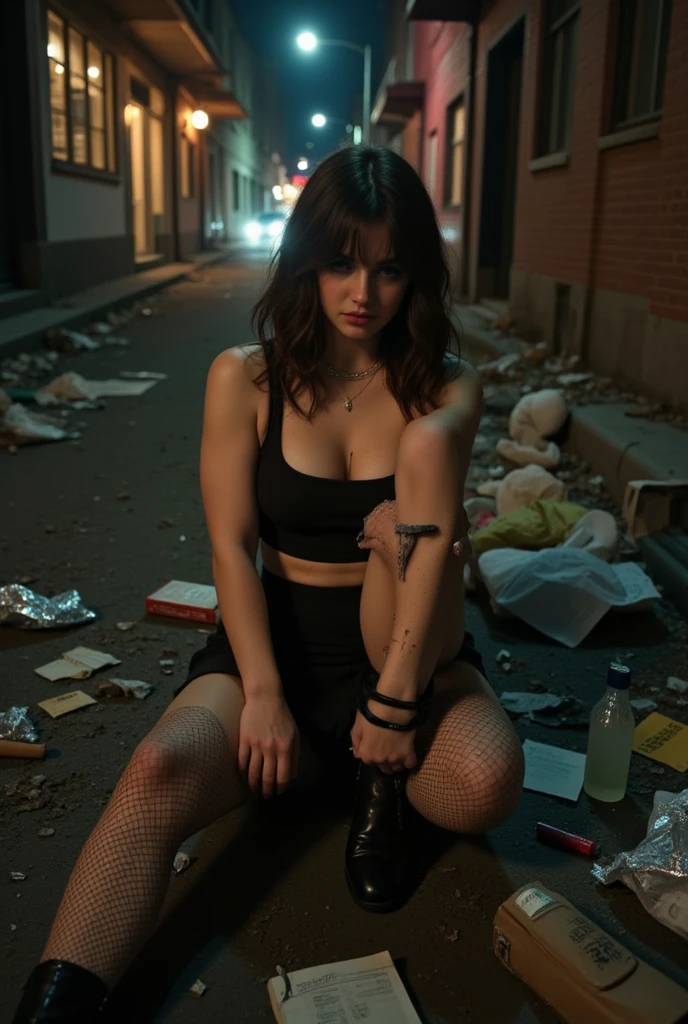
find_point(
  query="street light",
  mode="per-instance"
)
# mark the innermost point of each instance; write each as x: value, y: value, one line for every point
x: 308, y: 42
x: 302, y: 165
x: 318, y: 120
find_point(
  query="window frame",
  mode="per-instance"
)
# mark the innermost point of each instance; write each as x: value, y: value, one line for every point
x: 549, y: 137
x: 627, y: 65
x: 451, y: 145
x: 108, y: 86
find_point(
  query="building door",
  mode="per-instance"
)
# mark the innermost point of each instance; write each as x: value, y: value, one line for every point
x: 146, y: 147
x: 500, y: 163
x: 139, y: 192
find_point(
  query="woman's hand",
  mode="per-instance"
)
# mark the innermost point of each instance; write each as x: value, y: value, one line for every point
x: 387, y: 749
x: 268, y: 744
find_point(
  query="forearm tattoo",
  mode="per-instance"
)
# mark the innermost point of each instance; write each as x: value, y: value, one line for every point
x: 408, y: 535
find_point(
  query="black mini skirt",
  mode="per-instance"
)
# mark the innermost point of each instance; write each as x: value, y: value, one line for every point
x: 320, y: 655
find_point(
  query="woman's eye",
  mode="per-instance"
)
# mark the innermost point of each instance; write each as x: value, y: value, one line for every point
x: 339, y: 266
x: 392, y: 271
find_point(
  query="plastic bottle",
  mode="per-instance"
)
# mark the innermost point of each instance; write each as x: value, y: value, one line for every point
x: 610, y: 739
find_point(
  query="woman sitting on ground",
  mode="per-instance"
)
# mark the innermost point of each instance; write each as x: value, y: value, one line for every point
x: 340, y: 444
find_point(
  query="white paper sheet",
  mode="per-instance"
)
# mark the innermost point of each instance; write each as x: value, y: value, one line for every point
x: 121, y: 388
x: 553, y: 770
x: 367, y: 989
x: 79, y: 663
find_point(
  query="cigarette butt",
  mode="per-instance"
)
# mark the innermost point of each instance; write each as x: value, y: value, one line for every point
x: 13, y: 748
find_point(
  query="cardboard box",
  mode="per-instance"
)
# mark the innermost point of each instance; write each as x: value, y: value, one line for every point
x: 194, y: 601
x: 585, y: 975
x: 650, y: 506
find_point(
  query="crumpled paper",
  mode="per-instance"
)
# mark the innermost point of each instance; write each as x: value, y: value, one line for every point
x: 15, y: 724
x: 25, y: 609
x: 657, y: 869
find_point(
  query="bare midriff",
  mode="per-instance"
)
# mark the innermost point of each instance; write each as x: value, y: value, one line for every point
x: 312, y: 574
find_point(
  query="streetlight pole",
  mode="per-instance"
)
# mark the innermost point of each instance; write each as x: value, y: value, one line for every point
x: 365, y: 52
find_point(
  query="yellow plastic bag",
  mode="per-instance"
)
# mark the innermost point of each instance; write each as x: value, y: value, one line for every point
x: 539, y: 524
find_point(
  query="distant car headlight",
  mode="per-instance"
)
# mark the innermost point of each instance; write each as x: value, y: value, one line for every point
x: 275, y: 228
x: 253, y: 230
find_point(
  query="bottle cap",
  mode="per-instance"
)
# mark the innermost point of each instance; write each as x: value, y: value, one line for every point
x: 619, y: 676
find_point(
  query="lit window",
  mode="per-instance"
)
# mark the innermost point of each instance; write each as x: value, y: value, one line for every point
x: 457, y: 128
x: 81, y: 98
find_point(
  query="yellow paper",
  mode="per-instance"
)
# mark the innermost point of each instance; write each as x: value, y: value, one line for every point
x: 57, y: 706
x: 663, y: 739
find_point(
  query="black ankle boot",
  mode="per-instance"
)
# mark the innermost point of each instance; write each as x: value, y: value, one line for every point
x: 57, y: 990
x: 379, y: 861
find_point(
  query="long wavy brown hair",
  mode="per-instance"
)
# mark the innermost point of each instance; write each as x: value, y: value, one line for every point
x: 352, y: 188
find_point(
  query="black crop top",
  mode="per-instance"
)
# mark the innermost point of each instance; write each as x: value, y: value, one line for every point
x: 311, y: 517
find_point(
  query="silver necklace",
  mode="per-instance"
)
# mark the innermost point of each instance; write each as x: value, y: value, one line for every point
x: 348, y: 403
x: 334, y: 372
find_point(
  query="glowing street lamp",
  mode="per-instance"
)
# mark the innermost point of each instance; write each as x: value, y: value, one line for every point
x: 308, y: 42
x: 200, y: 120
x: 302, y: 164
x: 318, y: 120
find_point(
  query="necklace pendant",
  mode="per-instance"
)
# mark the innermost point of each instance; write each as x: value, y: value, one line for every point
x: 348, y: 405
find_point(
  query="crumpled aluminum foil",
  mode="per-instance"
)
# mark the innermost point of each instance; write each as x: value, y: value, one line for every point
x: 657, y: 869
x: 15, y: 724
x: 23, y: 608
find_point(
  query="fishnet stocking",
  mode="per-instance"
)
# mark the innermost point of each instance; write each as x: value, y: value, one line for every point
x: 472, y: 765
x: 182, y: 777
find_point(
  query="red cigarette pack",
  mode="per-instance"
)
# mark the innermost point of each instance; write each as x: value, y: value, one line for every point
x: 194, y: 601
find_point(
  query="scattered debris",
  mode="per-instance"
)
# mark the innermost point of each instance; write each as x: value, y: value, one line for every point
x: 17, y: 876
x: 79, y: 663
x: 68, y: 342
x: 66, y: 702
x: 195, y: 601
x: 553, y: 770
x: 679, y: 685
x: 142, y: 375
x: 643, y: 704
x: 19, y: 426
x: 563, y: 592
x: 45, y: 833
x: 16, y: 726
x: 125, y: 688
x: 24, y: 609
x: 182, y: 863
x: 656, y: 869
x: 124, y: 626
x: 663, y: 739
x: 543, y: 708
x: 198, y: 988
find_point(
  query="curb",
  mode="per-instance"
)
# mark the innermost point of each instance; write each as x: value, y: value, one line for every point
x: 74, y: 319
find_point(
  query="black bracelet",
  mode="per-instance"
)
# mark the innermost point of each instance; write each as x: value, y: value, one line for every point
x: 384, y: 724
x: 421, y: 706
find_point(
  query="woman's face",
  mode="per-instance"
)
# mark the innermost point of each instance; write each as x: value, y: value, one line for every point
x: 360, y: 293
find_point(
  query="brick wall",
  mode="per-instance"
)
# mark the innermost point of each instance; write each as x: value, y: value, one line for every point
x: 442, y: 62
x: 642, y: 245
x: 615, y: 219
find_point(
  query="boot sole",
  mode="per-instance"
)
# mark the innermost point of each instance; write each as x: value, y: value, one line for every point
x: 376, y: 908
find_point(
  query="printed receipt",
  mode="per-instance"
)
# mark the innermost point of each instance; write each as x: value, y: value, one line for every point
x: 367, y: 989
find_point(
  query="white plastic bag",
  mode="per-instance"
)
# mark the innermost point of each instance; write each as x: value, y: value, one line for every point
x: 563, y: 592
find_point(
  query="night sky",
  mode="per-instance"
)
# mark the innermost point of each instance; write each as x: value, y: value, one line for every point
x: 325, y: 81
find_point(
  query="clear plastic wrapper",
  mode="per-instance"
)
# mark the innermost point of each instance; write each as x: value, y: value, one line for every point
x: 25, y: 609
x: 15, y: 724
x: 657, y: 869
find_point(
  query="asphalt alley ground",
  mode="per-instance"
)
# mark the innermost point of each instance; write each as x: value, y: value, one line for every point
x: 115, y: 514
